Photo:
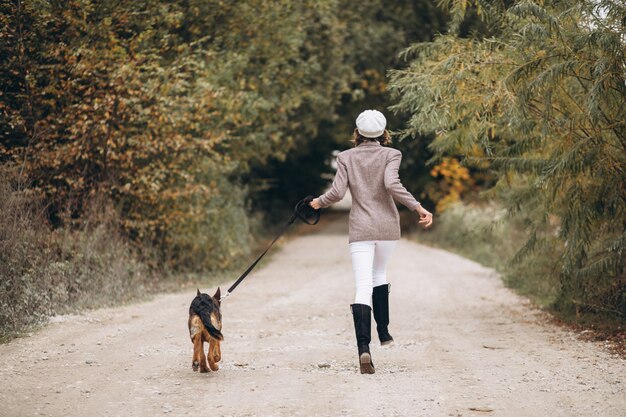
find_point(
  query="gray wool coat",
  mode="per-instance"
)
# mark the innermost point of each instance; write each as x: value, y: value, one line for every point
x: 370, y: 171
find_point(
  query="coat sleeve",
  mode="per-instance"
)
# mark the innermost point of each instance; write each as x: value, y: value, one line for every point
x: 338, y: 188
x: 393, y: 185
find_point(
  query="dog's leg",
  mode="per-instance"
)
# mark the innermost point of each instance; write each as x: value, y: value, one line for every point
x: 198, y: 348
x: 203, y: 367
x: 212, y: 363
x: 218, y: 351
x: 195, y: 360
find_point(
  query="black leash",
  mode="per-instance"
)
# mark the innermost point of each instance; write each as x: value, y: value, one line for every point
x: 302, y: 211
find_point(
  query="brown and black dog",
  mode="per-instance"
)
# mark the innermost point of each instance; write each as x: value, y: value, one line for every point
x: 205, y: 325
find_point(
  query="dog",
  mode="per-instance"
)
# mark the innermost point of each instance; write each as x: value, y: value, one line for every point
x: 205, y: 325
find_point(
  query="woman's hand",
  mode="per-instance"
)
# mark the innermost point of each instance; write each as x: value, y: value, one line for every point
x: 426, y: 217
x: 315, y: 203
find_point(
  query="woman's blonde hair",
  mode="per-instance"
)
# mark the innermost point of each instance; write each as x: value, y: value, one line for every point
x: 384, y: 139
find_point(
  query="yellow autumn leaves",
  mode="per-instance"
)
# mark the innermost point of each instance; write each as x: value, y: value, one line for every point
x: 452, y: 181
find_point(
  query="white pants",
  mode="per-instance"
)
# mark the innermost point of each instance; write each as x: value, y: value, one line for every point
x: 369, y: 260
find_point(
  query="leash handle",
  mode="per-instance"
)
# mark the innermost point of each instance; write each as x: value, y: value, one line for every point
x: 304, y: 211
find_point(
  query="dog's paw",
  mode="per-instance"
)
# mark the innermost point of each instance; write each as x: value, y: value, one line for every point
x: 195, y: 365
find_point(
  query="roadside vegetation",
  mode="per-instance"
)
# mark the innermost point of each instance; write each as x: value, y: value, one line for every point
x: 145, y: 141
x: 536, y: 100
x: 53, y: 271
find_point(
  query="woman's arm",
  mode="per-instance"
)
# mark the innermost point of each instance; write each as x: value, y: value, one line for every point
x: 337, y: 189
x: 400, y: 194
x: 394, y: 186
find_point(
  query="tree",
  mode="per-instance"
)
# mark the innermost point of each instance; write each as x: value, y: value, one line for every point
x: 540, y: 101
x: 166, y: 107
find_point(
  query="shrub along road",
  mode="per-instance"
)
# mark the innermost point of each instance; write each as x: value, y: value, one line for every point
x: 465, y: 346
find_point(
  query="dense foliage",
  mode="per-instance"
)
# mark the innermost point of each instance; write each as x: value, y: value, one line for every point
x: 184, y: 120
x: 179, y: 112
x: 539, y: 99
x: 163, y: 106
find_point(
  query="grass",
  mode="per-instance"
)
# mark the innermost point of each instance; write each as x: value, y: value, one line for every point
x: 46, y: 272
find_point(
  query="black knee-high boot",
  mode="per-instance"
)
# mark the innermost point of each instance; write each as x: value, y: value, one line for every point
x: 362, y: 315
x: 380, y: 304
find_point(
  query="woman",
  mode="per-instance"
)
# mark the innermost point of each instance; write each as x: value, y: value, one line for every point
x: 370, y: 171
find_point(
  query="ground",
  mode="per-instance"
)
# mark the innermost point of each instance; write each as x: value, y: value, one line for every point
x: 465, y: 346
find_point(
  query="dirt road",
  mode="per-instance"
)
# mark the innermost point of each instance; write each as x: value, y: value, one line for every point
x: 465, y: 346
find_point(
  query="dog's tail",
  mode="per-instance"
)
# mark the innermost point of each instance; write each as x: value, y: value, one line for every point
x: 213, y: 331
x: 211, y: 321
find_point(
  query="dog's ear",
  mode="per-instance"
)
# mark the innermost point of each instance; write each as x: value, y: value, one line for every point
x: 218, y: 294
x: 198, y: 291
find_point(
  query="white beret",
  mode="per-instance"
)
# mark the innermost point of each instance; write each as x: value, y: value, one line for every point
x: 371, y: 123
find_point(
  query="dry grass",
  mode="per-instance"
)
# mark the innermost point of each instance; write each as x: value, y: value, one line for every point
x: 45, y: 272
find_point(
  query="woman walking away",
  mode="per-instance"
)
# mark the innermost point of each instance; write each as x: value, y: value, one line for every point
x: 370, y: 171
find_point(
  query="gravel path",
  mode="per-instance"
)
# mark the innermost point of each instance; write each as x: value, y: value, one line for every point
x: 465, y: 346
